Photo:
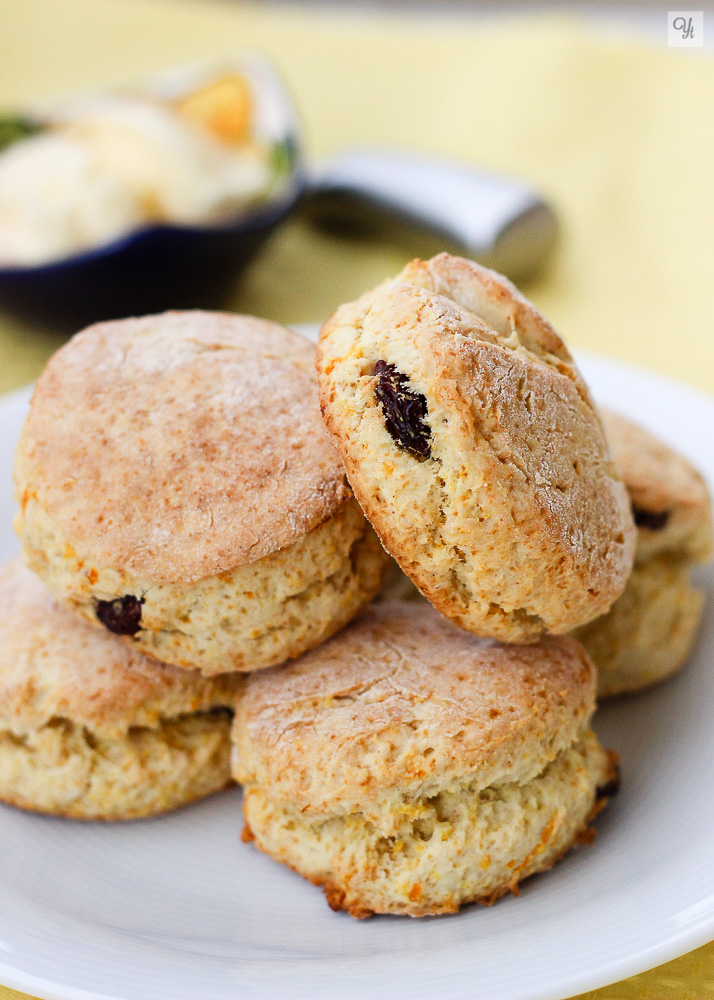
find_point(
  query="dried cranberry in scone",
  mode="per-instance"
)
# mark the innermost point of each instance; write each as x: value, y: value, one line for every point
x: 404, y: 411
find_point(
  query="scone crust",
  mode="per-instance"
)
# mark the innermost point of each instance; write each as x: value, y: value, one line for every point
x: 179, y: 446
x: 518, y: 523
x: 662, y: 485
x: 401, y: 699
x: 54, y: 666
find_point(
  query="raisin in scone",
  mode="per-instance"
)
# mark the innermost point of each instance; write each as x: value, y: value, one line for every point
x: 91, y: 729
x: 409, y: 767
x: 475, y: 449
x: 178, y: 487
x: 649, y: 632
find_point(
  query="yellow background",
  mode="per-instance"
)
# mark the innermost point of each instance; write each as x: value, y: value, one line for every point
x: 619, y: 135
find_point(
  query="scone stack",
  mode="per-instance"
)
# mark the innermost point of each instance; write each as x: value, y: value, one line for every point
x: 204, y: 544
x: 182, y: 504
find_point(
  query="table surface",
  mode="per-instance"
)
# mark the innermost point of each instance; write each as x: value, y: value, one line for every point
x: 612, y: 129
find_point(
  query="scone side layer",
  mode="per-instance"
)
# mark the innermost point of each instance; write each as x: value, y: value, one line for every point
x: 54, y: 666
x: 649, y: 632
x: 255, y: 616
x: 66, y: 770
x: 454, y: 847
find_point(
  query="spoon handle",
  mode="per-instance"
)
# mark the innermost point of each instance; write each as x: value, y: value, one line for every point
x: 500, y: 221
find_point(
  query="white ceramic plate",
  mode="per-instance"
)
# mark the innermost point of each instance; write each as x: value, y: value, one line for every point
x: 178, y: 909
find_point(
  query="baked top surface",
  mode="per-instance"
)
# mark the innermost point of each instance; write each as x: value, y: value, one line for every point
x: 179, y: 446
x: 402, y: 696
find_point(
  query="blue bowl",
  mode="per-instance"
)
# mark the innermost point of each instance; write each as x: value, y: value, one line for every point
x: 146, y: 271
x: 167, y: 266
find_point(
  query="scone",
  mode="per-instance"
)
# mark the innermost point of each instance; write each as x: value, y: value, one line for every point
x: 648, y: 633
x: 670, y: 499
x: 409, y: 767
x: 475, y: 450
x: 94, y: 730
x: 178, y: 487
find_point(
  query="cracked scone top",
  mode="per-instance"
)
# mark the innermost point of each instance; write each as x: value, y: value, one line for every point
x: 474, y: 448
x: 179, y: 446
x: 410, y: 767
x: 93, y: 729
x: 178, y: 486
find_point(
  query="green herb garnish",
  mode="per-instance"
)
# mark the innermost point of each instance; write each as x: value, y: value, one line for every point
x: 283, y: 155
x: 14, y: 128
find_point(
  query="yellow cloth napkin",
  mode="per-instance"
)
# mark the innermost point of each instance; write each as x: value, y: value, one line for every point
x: 616, y: 133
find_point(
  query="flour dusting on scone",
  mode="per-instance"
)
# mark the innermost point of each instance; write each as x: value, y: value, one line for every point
x: 177, y: 486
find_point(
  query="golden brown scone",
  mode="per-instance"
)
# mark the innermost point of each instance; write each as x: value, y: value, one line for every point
x: 92, y: 729
x: 670, y: 499
x: 410, y: 767
x: 474, y: 448
x: 649, y: 632
x: 177, y: 485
